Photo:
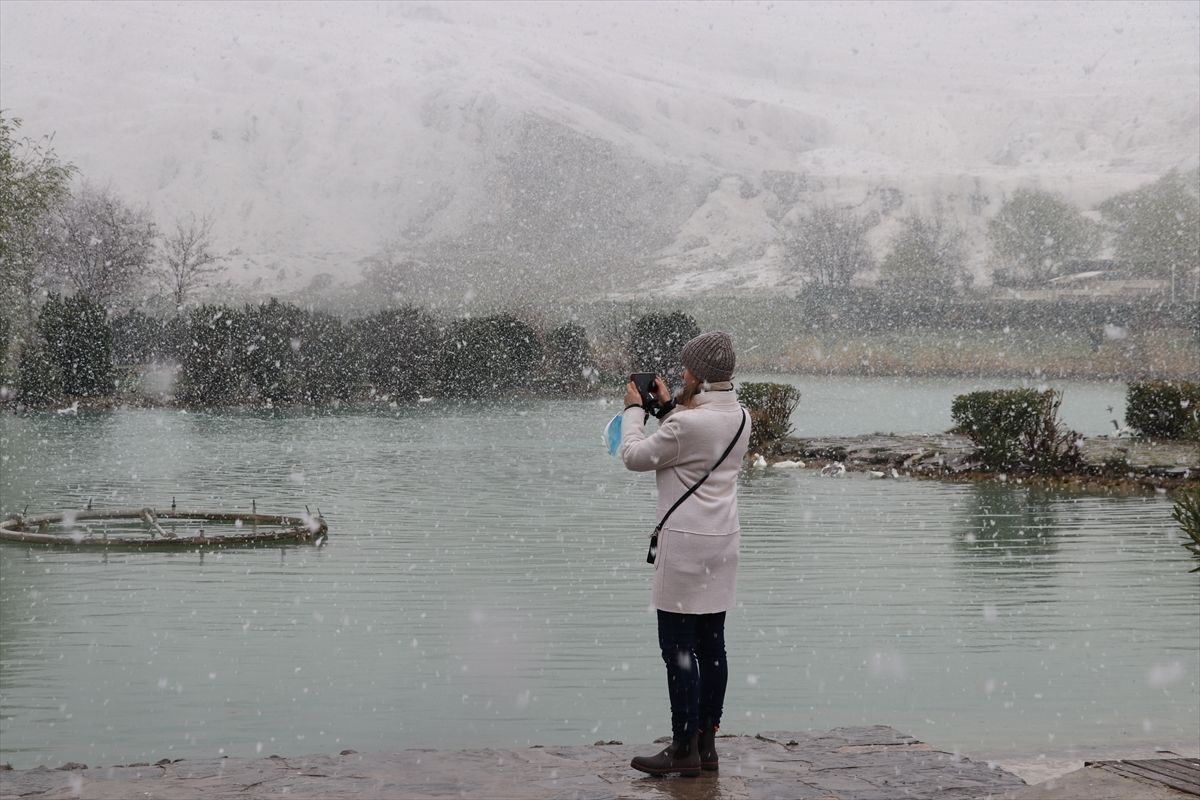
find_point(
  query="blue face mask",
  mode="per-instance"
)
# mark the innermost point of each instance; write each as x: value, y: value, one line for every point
x: 612, y: 434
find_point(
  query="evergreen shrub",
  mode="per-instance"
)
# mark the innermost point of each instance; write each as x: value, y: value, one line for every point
x: 143, y: 339
x: 570, y: 366
x: 1164, y: 409
x: 1017, y: 430
x: 78, y: 340
x: 38, y: 381
x: 771, y: 406
x: 398, y: 351
x: 5, y: 337
x: 489, y: 355
x: 211, y: 367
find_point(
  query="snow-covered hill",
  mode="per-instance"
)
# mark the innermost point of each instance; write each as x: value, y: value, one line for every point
x: 530, y: 148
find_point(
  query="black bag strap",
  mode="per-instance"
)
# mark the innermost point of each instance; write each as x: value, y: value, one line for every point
x: 704, y: 477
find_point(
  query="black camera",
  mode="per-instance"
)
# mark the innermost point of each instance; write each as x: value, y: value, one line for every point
x: 644, y: 381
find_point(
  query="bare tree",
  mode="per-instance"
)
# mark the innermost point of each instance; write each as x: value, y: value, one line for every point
x: 101, y: 246
x: 188, y: 260
x: 829, y: 246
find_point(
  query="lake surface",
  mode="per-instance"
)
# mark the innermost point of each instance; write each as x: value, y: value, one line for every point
x: 837, y: 405
x: 484, y: 584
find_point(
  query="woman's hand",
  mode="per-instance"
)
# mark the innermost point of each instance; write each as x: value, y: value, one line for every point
x: 661, y: 393
x: 632, y: 396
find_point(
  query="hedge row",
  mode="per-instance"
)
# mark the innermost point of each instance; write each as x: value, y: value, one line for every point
x: 276, y: 353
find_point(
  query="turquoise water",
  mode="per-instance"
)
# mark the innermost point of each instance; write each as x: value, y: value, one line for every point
x: 847, y: 405
x: 484, y: 584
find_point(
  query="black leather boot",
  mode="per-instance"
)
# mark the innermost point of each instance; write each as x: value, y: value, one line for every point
x: 708, y: 748
x: 683, y: 758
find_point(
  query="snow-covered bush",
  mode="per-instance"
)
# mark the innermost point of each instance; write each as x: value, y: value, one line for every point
x: 1164, y: 409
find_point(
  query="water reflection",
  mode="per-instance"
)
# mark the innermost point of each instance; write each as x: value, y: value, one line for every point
x: 1015, y: 529
x: 706, y: 786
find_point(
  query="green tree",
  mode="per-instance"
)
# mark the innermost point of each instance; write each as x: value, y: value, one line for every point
x: 928, y: 257
x: 829, y: 246
x: 1036, y: 234
x: 1156, y: 230
x: 33, y: 184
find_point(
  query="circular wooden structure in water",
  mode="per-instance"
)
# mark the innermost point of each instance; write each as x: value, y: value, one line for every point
x: 146, y: 528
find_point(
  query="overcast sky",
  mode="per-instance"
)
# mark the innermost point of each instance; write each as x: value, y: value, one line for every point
x: 318, y: 130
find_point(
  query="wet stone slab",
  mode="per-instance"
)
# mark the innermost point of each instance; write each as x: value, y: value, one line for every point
x: 867, y: 763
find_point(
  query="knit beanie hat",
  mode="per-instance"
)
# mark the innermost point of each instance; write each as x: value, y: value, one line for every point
x: 709, y: 356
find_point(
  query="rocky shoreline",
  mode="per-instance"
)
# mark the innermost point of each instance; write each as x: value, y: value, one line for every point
x: 841, y: 764
x: 1108, y: 462
x: 854, y: 763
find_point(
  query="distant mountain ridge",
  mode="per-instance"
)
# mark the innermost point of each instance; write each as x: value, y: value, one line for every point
x: 523, y: 150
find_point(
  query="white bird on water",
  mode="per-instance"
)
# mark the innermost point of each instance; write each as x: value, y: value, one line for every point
x: 71, y: 409
x: 835, y: 469
x: 789, y: 464
x: 759, y: 462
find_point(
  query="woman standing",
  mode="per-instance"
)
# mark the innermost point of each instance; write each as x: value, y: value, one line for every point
x: 701, y: 439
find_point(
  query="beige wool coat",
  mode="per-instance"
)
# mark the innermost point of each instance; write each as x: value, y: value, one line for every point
x: 696, y: 568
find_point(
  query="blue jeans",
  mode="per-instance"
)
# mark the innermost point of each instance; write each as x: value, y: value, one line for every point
x: 693, y: 649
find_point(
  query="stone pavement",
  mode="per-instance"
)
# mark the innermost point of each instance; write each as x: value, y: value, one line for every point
x: 867, y: 763
x: 1095, y: 784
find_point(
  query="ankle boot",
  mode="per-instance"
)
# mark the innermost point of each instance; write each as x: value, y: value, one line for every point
x: 708, y: 748
x: 681, y: 757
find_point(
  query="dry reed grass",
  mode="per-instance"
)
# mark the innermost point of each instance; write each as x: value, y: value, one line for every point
x: 1161, y: 354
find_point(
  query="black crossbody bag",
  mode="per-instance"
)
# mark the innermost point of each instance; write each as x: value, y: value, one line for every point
x: 652, y: 553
